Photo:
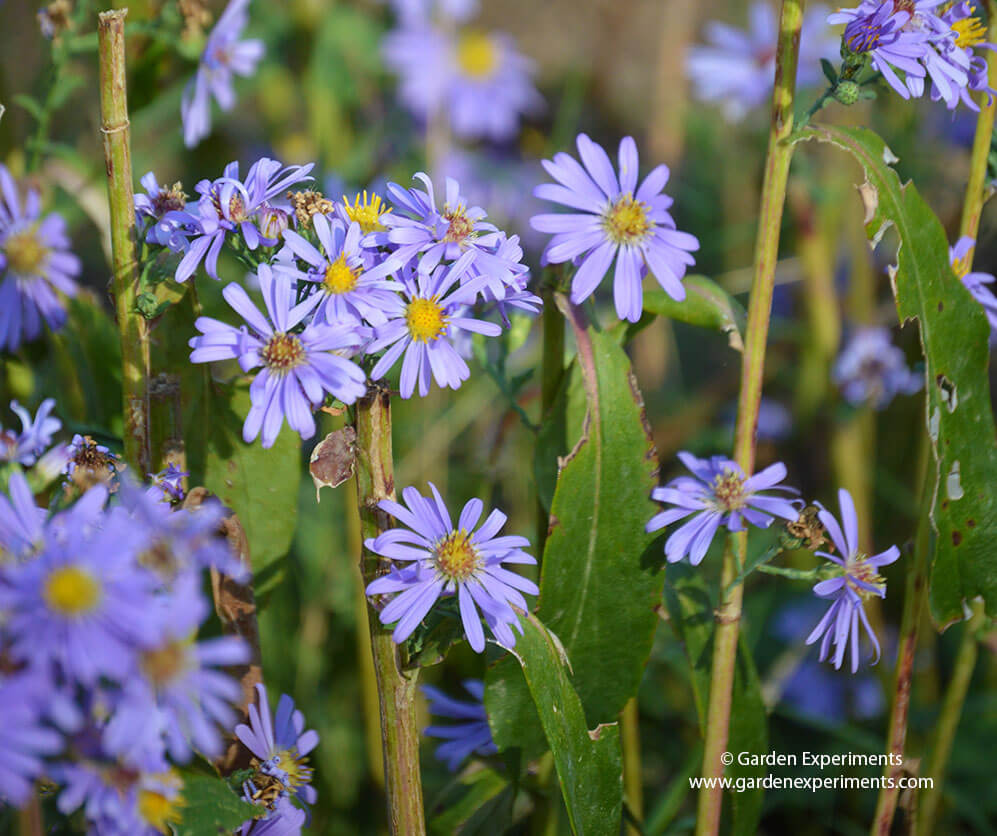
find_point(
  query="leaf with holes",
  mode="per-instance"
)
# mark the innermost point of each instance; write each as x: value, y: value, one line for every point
x: 211, y: 807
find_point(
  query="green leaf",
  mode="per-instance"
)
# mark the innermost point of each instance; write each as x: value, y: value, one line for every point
x: 706, y: 305
x: 955, y: 339
x: 598, y: 590
x: 211, y: 808
x: 486, y: 792
x: 589, y: 764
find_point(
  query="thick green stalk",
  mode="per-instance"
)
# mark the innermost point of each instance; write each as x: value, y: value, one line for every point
x: 132, y: 327
x: 728, y: 615
x: 948, y: 719
x: 396, y: 687
x: 633, y: 787
x: 551, y: 372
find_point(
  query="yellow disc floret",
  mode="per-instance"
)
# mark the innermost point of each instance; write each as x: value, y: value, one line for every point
x: 283, y: 352
x: 970, y: 31
x: 728, y: 488
x: 71, y: 591
x: 295, y: 767
x: 856, y: 566
x: 477, y: 55
x: 366, y: 211
x: 626, y: 221
x: 25, y: 253
x: 160, y: 810
x: 340, y: 277
x: 426, y: 319
x: 456, y: 557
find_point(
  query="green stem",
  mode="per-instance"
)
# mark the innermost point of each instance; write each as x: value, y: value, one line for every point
x: 396, y: 687
x: 773, y: 198
x: 633, y: 788
x: 948, y: 719
x: 915, y: 597
x: 29, y: 818
x: 132, y: 327
x: 551, y: 372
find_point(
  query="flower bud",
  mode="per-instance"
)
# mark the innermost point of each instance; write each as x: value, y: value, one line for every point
x: 847, y: 92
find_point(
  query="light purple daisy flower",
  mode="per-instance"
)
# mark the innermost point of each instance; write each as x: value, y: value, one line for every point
x: 280, y: 744
x: 718, y: 494
x: 35, y: 266
x: 299, y: 368
x: 737, y: 68
x: 224, y: 56
x: 421, y: 323
x: 25, y: 741
x: 350, y: 290
x: 228, y: 205
x: 161, y: 212
x: 616, y: 220
x: 870, y: 369
x: 35, y: 436
x: 444, y: 560
x: 858, y: 580
x: 169, y: 482
x: 471, y: 736
x: 976, y: 283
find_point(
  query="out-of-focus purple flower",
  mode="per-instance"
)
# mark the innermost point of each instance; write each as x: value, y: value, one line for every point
x: 299, y: 368
x: 471, y: 736
x: 445, y: 560
x: 228, y: 204
x: 976, y: 283
x: 870, y: 369
x: 718, y: 494
x: 479, y: 78
x: 21, y: 521
x: 224, y: 57
x: 350, y: 290
x: 281, y: 746
x: 35, y: 266
x: 859, y: 579
x: 616, y: 219
x: 737, y: 69
x: 421, y: 321
x: 25, y: 741
x: 414, y: 12
x: 35, y: 436
x: 164, y: 211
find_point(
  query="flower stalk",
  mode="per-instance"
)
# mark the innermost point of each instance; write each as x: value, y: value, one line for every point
x: 396, y: 686
x: 132, y: 327
x: 773, y: 198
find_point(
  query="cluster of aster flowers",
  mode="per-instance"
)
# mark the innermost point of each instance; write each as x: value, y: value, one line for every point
x: 718, y: 494
x: 37, y: 268
x: 919, y: 46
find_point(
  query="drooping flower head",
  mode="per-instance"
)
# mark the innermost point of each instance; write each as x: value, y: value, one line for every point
x: 298, y: 367
x: 35, y: 436
x: 976, y: 283
x: 421, y: 323
x: 615, y: 219
x: 443, y: 559
x: 857, y: 581
x: 718, y: 494
x: 737, y: 68
x: 225, y: 56
x: 163, y: 210
x: 36, y: 265
x: 870, y: 369
x: 472, y: 735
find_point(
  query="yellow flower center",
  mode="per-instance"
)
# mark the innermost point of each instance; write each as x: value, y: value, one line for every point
x: 426, y: 320
x: 298, y: 772
x: 164, y: 664
x: 461, y: 227
x: 160, y: 811
x: 477, y: 55
x: 728, y: 488
x: 456, y: 556
x: 366, y: 211
x: 340, y: 277
x: 25, y: 253
x: 626, y: 221
x: 71, y: 591
x: 961, y: 265
x: 970, y: 30
x: 237, y: 209
x: 283, y: 352
x: 857, y: 567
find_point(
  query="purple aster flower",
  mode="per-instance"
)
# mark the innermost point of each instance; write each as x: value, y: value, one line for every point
x: 976, y: 283
x: 24, y: 740
x: 420, y: 325
x: 35, y: 436
x: 21, y: 521
x: 737, y: 69
x: 718, y: 494
x: 444, y: 560
x: 169, y: 482
x: 616, y: 220
x: 350, y: 290
x: 471, y: 736
x: 299, y: 368
x: 35, y: 266
x: 224, y: 56
x: 282, y: 818
x: 163, y: 211
x: 412, y: 12
x: 872, y: 370
x: 280, y: 746
x: 858, y: 580
x: 89, y: 463
x: 228, y: 204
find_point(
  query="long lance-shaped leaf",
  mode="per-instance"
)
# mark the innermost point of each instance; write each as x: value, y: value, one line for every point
x: 954, y: 336
x: 589, y: 764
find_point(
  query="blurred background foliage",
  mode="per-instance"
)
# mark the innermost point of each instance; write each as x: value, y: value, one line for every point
x: 607, y: 67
